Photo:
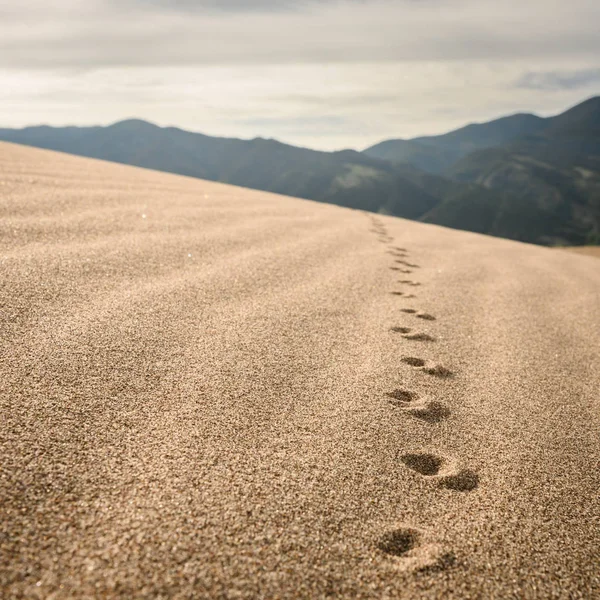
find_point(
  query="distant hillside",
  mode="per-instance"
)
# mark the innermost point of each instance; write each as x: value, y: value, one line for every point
x: 437, y: 153
x: 551, y: 180
x: 520, y: 177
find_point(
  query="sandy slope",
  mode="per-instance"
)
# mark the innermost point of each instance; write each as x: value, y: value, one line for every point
x: 195, y: 380
x: 587, y: 250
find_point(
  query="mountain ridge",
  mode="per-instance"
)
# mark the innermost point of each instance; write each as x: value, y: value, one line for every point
x: 425, y: 151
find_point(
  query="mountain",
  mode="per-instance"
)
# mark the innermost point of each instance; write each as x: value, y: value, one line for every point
x: 437, y: 153
x: 521, y: 177
x: 550, y: 180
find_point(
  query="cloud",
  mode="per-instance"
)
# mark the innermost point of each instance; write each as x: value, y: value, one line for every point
x: 559, y: 80
x: 101, y: 33
x: 196, y: 6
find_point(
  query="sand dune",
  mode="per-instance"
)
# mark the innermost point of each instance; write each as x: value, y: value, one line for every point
x: 211, y: 392
x: 587, y: 250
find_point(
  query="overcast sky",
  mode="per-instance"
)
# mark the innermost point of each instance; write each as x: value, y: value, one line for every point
x: 320, y: 73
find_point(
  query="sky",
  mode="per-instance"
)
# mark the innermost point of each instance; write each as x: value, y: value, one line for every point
x: 326, y: 74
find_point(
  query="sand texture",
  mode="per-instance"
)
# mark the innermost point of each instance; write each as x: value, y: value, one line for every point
x: 587, y: 250
x: 212, y: 392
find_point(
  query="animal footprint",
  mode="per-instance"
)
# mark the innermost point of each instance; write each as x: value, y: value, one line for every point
x: 420, y: 407
x: 413, y: 361
x: 439, y: 371
x: 419, y: 315
x: 434, y: 370
x: 445, y: 471
x: 400, y: 329
x: 407, y: 264
x: 426, y: 317
x: 409, y: 282
x: 419, y: 337
x: 399, y: 541
x: 403, y: 396
x: 414, y: 549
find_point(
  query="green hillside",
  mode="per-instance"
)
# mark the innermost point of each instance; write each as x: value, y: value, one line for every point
x: 436, y: 154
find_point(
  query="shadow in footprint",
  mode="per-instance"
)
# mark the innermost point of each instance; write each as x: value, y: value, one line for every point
x: 419, y: 337
x: 423, y: 463
x: 397, y: 293
x: 407, y: 264
x: 413, y: 361
x: 435, y: 370
x: 420, y: 407
x: 400, y: 329
x: 410, y: 311
x: 439, y: 371
x: 414, y: 551
x: 464, y: 481
x: 409, y: 282
x: 399, y: 541
x: 426, y: 317
x: 443, y: 470
x: 431, y: 411
x: 403, y: 396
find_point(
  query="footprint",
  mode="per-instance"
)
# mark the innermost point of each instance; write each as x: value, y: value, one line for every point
x: 400, y: 329
x: 399, y: 541
x: 397, y: 293
x: 407, y: 264
x: 445, y: 471
x: 403, y: 396
x: 400, y: 249
x: 423, y: 463
x: 426, y: 316
x: 414, y: 550
x: 431, y: 411
x: 413, y: 361
x: 409, y: 282
x: 423, y: 408
x: 434, y: 370
x: 419, y: 337
x: 439, y: 371
x: 420, y: 315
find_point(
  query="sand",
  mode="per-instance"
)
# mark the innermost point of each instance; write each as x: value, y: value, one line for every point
x: 212, y: 392
x: 587, y: 250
